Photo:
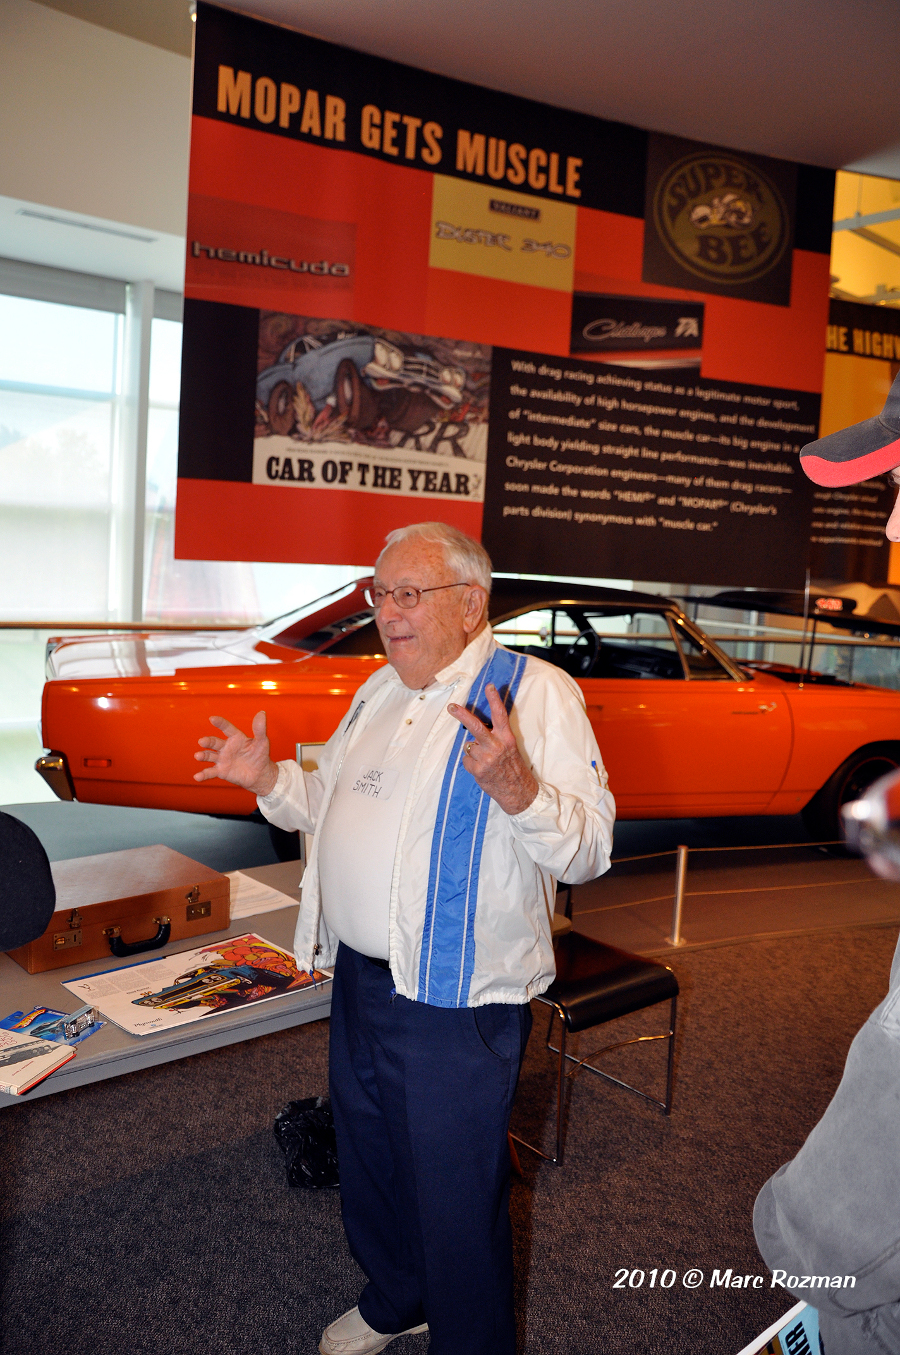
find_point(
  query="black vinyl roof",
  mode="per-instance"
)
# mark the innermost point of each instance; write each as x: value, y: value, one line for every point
x: 509, y: 596
x: 338, y: 624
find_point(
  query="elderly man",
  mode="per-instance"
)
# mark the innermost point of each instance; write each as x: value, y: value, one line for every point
x: 461, y: 784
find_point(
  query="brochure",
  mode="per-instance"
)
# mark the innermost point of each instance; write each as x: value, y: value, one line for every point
x: 25, y: 1061
x: 154, y: 995
x: 797, y: 1333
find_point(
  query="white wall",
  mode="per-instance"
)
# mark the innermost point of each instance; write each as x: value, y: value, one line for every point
x: 92, y: 122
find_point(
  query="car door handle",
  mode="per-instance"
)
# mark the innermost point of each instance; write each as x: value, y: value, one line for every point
x: 761, y: 709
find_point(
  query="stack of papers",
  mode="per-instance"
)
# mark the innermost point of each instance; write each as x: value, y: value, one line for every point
x: 249, y: 897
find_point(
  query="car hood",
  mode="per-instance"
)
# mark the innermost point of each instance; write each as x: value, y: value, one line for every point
x: 158, y: 654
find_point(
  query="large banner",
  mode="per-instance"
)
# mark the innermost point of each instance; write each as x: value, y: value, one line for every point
x: 411, y: 298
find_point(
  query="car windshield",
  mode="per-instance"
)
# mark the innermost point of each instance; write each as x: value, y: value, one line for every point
x: 333, y: 615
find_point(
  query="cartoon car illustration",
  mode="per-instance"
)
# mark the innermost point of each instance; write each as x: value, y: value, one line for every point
x: 362, y: 379
x: 216, y: 986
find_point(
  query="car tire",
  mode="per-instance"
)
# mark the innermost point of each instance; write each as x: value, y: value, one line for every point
x: 285, y: 845
x: 822, y: 816
x: 355, y: 402
x: 281, y: 408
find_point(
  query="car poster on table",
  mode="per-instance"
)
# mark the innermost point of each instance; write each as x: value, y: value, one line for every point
x: 154, y: 995
x: 370, y: 250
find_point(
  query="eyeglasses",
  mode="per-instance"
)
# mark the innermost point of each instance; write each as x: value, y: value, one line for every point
x: 404, y: 597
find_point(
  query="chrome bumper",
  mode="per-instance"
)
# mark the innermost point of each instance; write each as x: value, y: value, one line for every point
x: 54, y: 768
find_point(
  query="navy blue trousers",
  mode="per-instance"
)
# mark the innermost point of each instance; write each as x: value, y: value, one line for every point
x: 422, y: 1098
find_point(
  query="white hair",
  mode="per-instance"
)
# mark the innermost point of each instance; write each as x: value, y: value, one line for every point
x: 465, y: 556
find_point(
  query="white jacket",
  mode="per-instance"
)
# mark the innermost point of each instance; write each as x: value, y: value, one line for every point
x: 565, y: 834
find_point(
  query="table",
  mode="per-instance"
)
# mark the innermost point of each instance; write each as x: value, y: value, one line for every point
x: 112, y: 1052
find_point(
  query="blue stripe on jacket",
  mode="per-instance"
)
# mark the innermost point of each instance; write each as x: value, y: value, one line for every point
x: 448, y: 937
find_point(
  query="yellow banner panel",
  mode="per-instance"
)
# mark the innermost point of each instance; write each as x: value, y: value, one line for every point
x: 476, y: 228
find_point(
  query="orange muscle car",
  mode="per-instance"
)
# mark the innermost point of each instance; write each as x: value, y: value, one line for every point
x: 684, y: 730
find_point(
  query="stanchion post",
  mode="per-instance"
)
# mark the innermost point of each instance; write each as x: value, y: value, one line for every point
x: 681, y: 861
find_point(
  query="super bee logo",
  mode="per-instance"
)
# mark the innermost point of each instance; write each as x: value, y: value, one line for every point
x: 720, y: 218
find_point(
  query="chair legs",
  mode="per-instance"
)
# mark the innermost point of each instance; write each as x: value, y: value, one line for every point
x: 563, y: 1075
x: 560, y: 1090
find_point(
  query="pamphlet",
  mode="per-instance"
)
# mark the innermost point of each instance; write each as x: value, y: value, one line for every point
x: 45, y: 1024
x: 797, y: 1333
x: 25, y: 1061
x: 155, y: 995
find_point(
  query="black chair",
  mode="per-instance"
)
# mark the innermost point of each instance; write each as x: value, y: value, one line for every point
x: 596, y: 983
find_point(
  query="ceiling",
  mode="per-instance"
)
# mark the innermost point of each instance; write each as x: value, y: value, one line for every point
x: 807, y: 80
x: 163, y: 23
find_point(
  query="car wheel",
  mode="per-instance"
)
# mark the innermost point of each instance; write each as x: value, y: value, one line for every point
x: 355, y: 402
x: 286, y: 846
x: 822, y: 816
x: 281, y: 408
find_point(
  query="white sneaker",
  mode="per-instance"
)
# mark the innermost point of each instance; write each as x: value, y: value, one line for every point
x: 352, y: 1335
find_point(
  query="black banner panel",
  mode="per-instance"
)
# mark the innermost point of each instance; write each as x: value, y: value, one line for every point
x: 719, y: 220
x: 631, y: 324
x: 600, y: 471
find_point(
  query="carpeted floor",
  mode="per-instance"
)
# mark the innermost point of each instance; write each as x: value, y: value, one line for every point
x: 150, y: 1215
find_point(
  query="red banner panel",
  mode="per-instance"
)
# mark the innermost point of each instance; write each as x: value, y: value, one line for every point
x: 371, y: 251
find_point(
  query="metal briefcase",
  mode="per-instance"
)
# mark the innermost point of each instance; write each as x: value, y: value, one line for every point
x: 125, y: 903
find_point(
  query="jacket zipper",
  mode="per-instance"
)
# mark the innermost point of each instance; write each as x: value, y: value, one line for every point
x: 350, y: 723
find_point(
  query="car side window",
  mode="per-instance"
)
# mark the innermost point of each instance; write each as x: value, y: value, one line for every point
x: 702, y: 666
x: 635, y: 645
x: 608, y: 644
x: 554, y: 634
x: 532, y: 632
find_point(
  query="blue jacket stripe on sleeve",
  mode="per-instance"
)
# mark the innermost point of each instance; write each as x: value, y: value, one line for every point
x: 448, y: 940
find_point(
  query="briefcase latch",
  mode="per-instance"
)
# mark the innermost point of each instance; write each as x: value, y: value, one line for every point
x: 195, y: 908
x: 66, y: 940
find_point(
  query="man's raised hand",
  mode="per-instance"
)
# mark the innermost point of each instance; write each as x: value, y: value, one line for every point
x: 493, y: 756
x: 241, y: 760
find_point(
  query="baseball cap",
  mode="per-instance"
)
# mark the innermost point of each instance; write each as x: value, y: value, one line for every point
x: 859, y: 452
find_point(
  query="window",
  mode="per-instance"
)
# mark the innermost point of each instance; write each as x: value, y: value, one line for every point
x: 589, y: 642
x: 611, y: 643
x: 59, y: 385
x: 702, y: 666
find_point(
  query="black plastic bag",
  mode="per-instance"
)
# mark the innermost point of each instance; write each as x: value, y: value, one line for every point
x: 305, y: 1133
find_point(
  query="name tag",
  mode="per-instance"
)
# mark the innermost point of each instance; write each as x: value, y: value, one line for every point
x: 376, y: 783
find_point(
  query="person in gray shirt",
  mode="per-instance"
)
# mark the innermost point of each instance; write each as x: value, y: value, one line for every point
x: 829, y: 1221
x: 834, y: 1211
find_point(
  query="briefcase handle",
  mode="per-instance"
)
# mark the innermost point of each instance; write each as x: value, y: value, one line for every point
x: 122, y: 948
